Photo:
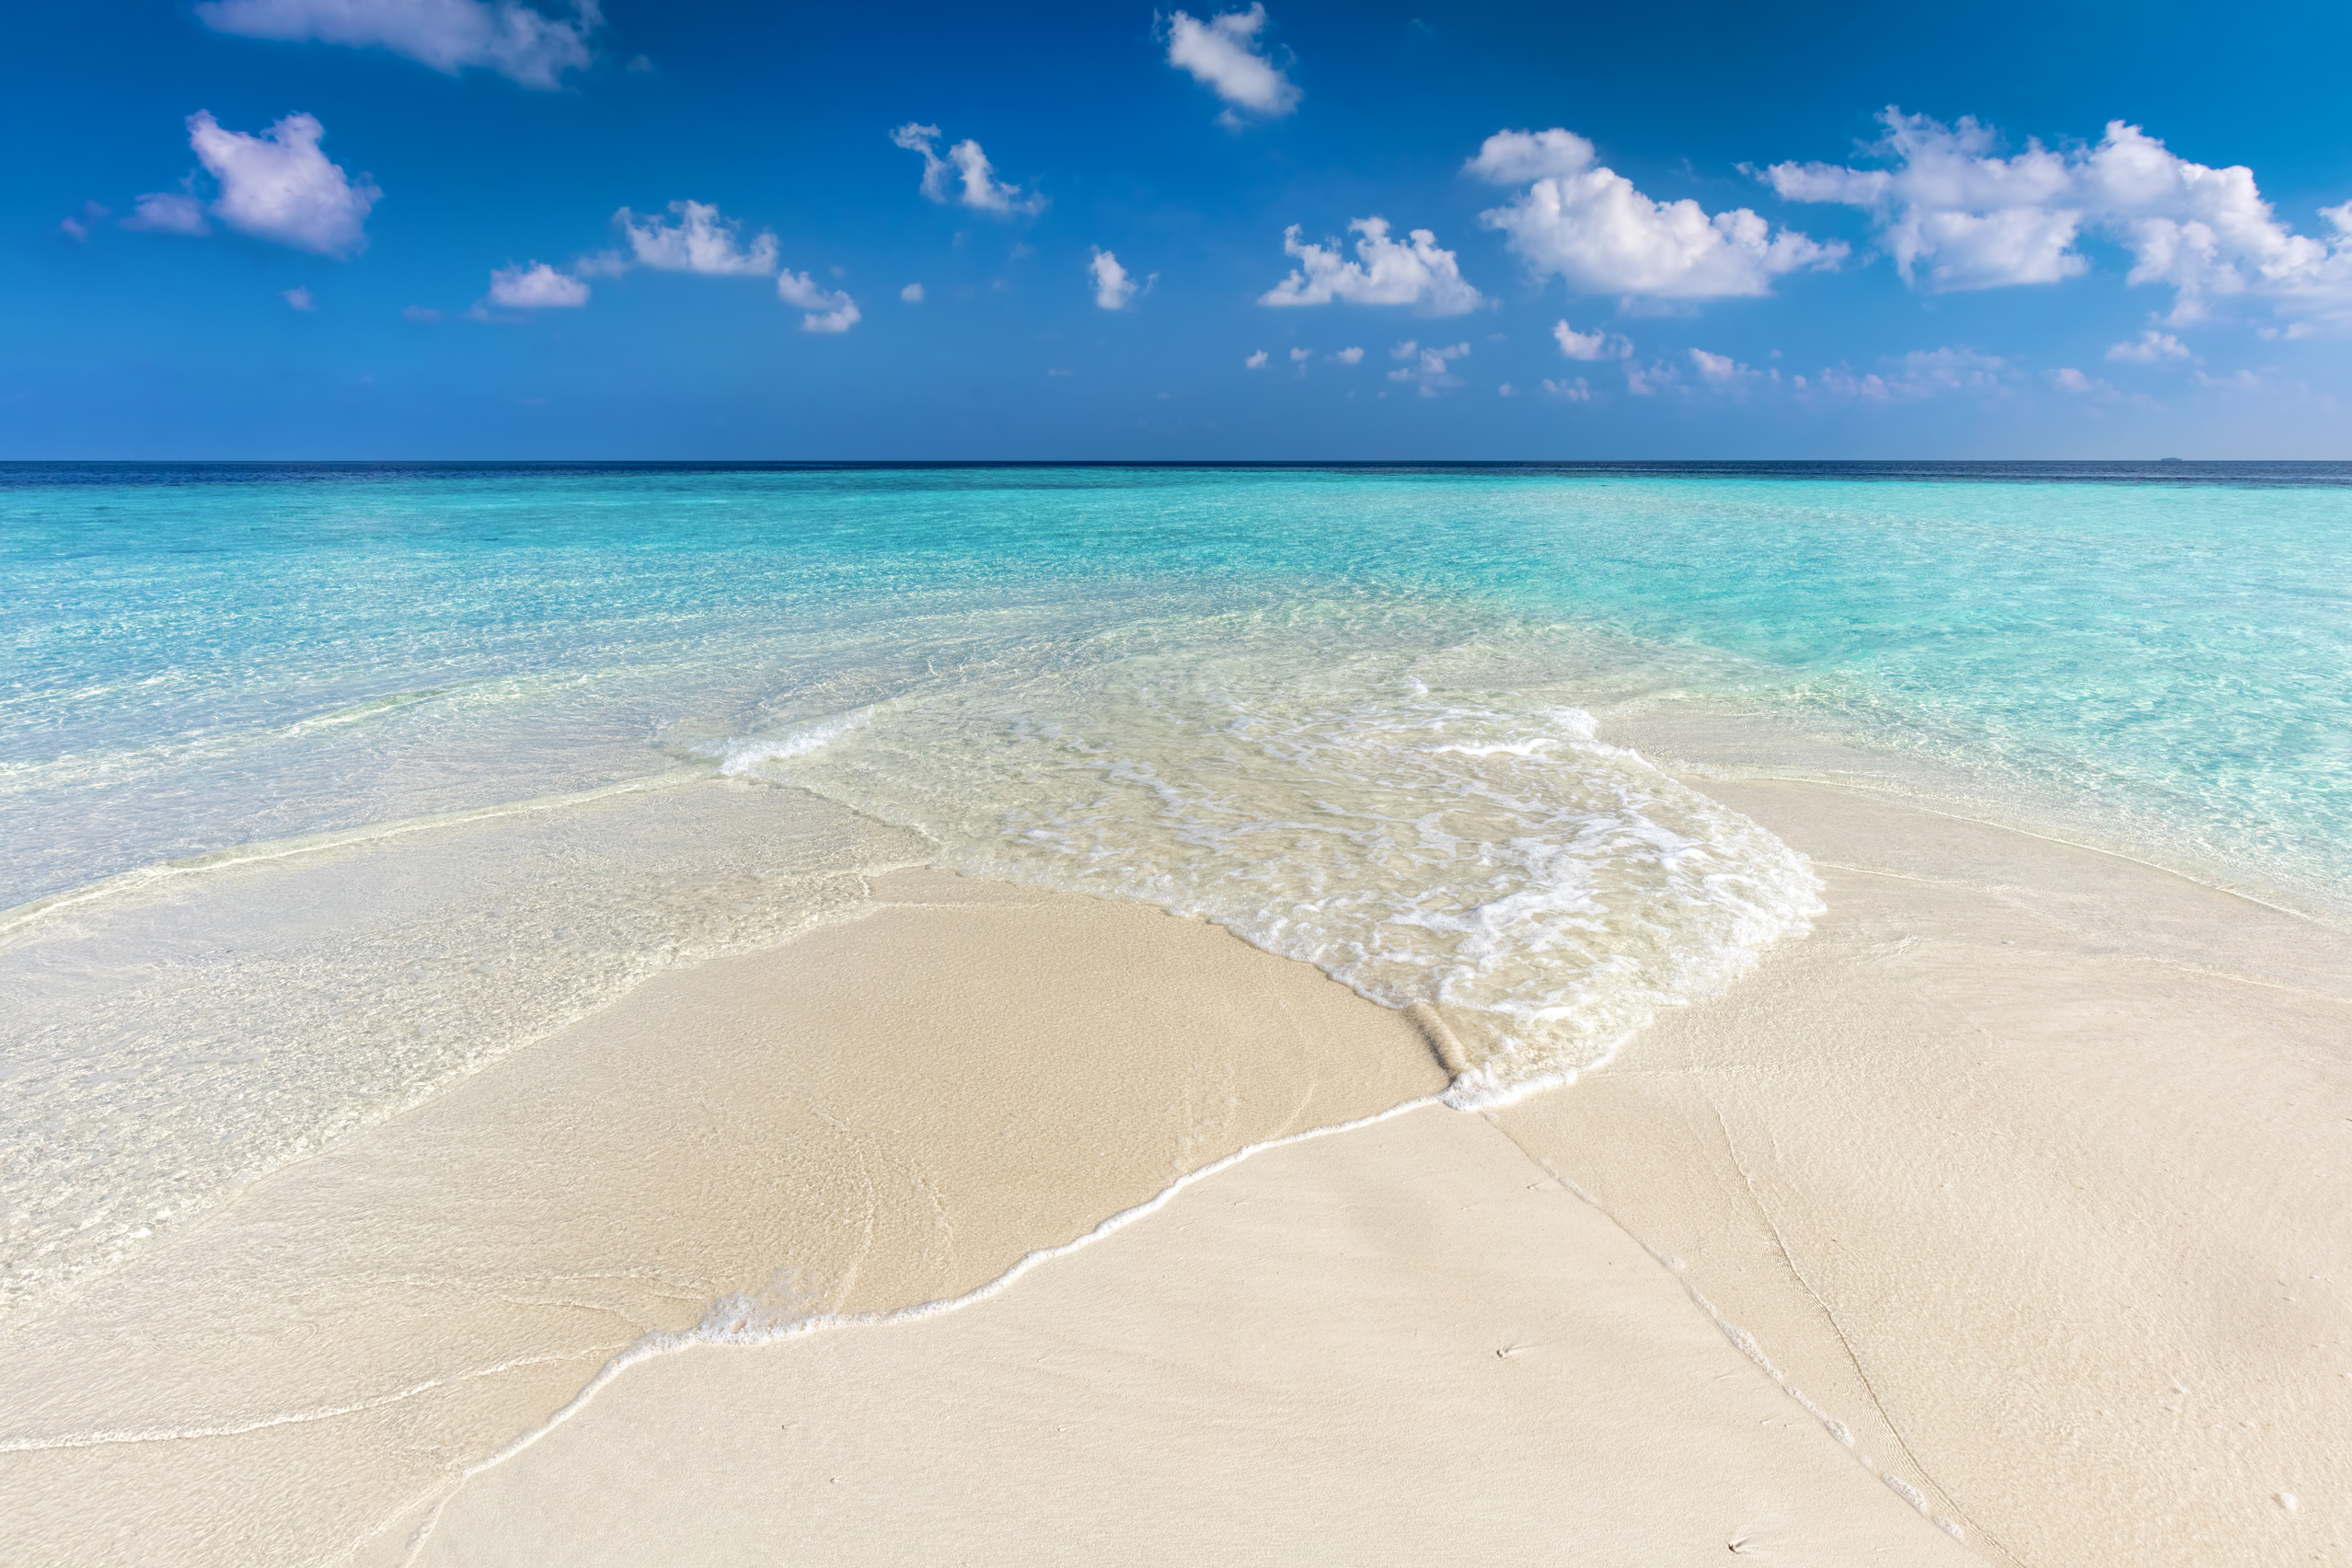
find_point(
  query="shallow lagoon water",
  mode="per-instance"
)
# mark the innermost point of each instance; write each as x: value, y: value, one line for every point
x: 1360, y: 717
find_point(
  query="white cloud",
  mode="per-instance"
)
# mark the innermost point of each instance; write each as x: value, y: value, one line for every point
x: 1593, y: 345
x: 1520, y: 157
x: 704, y: 240
x: 1922, y: 372
x: 537, y: 287
x: 279, y: 186
x: 423, y: 314
x: 448, y: 35
x: 1576, y: 391
x: 1300, y: 356
x: 912, y: 294
x: 1506, y: 390
x: 299, y: 299
x: 2151, y: 347
x: 1346, y: 356
x: 1385, y: 272
x: 1255, y: 362
x: 966, y: 163
x: 2068, y: 379
x: 829, y: 310
x: 1112, y: 288
x: 1955, y: 215
x: 1588, y: 225
x: 1226, y: 55
x: 164, y: 211
x: 1721, y: 370
x: 1429, y: 369
x: 700, y: 241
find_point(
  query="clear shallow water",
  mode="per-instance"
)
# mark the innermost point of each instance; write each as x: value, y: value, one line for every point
x: 202, y: 657
x: 1348, y: 714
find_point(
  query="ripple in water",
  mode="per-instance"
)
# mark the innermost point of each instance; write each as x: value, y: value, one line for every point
x: 1448, y: 843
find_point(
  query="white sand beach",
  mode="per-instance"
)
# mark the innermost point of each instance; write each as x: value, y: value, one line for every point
x: 2008, y: 1201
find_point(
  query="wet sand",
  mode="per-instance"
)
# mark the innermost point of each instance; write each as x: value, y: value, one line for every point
x: 2012, y: 1197
x: 1402, y: 1344
x: 879, y: 1114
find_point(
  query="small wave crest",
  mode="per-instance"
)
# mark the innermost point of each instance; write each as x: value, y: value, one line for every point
x: 1421, y: 834
x: 360, y: 712
x: 739, y: 755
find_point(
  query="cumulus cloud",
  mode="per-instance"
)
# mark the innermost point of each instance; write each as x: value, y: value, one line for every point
x: 699, y: 238
x: 1112, y: 288
x: 1923, y: 373
x: 1955, y: 214
x: 1576, y: 391
x: 829, y: 310
x: 279, y: 186
x: 164, y: 212
x: 503, y: 36
x: 967, y: 166
x: 1385, y: 272
x: 299, y: 298
x: 700, y: 241
x: 1428, y: 367
x: 1721, y: 370
x: 1650, y: 382
x: 1520, y: 158
x: 1588, y: 225
x: 1346, y: 356
x: 2151, y: 347
x: 1300, y: 356
x: 2068, y: 379
x: 1227, y: 54
x: 1593, y: 345
x: 1255, y: 362
x: 536, y: 287
x: 912, y: 294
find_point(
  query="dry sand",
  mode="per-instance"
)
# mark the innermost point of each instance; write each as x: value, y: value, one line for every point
x: 897, y: 1108
x: 1402, y: 1343
x: 2023, y: 1179
x: 2033, y: 1166
x: 2027, y: 1170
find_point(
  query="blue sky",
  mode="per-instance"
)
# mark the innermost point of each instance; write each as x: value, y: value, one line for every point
x: 461, y: 228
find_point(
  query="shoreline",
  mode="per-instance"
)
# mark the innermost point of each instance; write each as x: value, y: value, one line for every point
x: 1388, y: 1345
x: 2028, y: 1156
x: 882, y: 1113
x: 1726, y: 1139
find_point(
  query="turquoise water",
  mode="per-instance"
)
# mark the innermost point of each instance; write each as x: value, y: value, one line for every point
x: 1362, y: 718
x: 199, y: 659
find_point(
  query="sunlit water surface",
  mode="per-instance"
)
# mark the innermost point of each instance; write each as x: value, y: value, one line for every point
x: 1360, y: 717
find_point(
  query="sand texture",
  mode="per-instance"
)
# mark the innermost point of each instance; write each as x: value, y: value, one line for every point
x: 881, y: 1113
x: 2013, y: 1197
x: 2032, y: 1167
x: 1402, y: 1343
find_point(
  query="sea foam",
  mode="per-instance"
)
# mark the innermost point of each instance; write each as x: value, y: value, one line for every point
x: 1420, y: 833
